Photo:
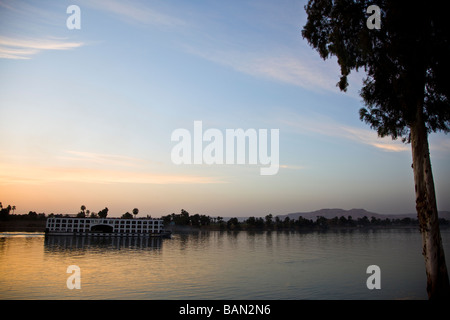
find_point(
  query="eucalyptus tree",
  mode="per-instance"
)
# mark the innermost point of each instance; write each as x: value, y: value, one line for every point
x: 405, y: 56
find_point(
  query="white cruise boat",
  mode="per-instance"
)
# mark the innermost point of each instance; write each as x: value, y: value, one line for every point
x: 105, y: 227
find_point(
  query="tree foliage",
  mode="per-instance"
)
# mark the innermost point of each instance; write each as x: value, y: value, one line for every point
x: 406, y: 61
x: 127, y: 215
x: 103, y: 213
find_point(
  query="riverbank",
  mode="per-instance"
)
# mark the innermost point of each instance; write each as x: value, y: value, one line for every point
x: 22, y: 226
x: 39, y: 226
x: 176, y: 229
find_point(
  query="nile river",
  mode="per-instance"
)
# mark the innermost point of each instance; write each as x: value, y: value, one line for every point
x: 217, y: 265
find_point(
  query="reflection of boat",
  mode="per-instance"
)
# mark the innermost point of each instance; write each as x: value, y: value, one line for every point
x: 111, y: 227
x: 109, y: 243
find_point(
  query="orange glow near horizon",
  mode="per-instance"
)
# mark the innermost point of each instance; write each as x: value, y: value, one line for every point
x: 64, y: 190
x: 14, y: 174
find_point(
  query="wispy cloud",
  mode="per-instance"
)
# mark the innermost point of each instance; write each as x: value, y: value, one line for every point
x: 136, y: 12
x: 90, y: 158
x: 89, y: 167
x: 30, y: 174
x: 291, y: 167
x: 284, y: 67
x: 217, y: 41
x: 22, y: 48
x: 29, y: 28
x: 370, y: 137
x: 324, y: 126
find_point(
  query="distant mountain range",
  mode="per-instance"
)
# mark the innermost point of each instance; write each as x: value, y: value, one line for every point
x: 354, y: 213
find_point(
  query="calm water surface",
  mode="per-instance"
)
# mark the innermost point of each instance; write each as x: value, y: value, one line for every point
x: 217, y: 265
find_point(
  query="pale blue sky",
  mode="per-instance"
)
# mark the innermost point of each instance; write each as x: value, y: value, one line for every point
x: 87, y: 114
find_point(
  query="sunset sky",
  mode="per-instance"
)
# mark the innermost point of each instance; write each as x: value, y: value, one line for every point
x: 87, y: 115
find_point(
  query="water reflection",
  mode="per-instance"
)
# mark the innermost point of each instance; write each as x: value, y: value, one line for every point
x: 57, y: 243
x: 217, y: 265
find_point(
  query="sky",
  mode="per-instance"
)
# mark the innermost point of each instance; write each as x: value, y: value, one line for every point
x: 87, y: 115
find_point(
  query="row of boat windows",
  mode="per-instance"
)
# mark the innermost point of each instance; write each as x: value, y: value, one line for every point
x: 63, y: 225
x: 120, y: 231
x: 112, y: 222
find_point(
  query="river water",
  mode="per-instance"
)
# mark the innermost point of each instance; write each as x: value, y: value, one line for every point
x: 216, y: 265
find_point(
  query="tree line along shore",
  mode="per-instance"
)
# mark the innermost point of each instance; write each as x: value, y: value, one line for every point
x: 35, y: 222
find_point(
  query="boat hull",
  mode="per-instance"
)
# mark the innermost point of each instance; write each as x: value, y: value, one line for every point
x: 166, y: 234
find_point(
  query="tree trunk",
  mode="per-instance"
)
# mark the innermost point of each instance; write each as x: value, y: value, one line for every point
x: 437, y: 277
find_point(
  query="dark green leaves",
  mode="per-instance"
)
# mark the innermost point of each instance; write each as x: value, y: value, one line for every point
x: 406, y: 61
